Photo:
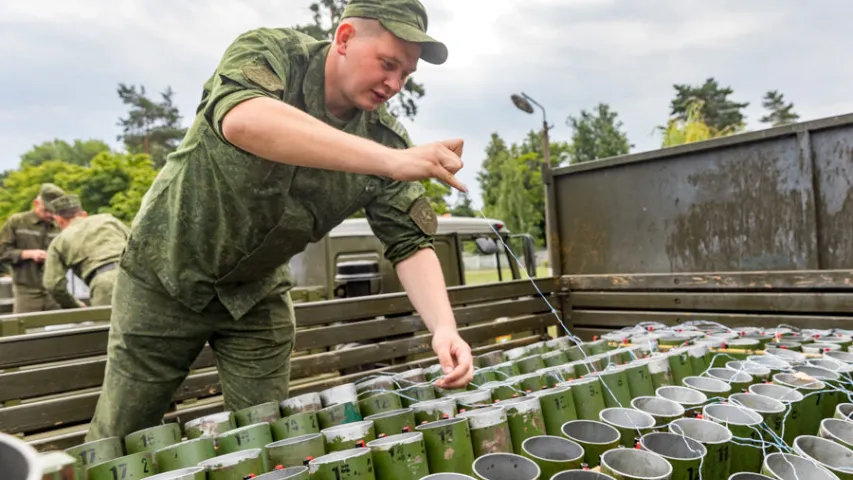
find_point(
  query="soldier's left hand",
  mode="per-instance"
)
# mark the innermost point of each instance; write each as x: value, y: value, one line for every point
x: 454, y: 355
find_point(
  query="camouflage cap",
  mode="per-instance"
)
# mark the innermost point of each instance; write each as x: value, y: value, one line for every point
x: 48, y: 193
x: 406, y: 19
x: 66, y: 202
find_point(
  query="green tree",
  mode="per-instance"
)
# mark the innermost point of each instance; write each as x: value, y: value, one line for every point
x: 780, y: 112
x: 693, y: 129
x: 718, y: 111
x: 463, y: 206
x: 80, y: 152
x: 327, y: 16
x: 150, y: 127
x: 596, y: 135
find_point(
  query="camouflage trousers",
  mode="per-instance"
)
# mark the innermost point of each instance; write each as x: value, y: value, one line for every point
x: 101, y: 289
x: 33, y: 299
x: 154, y: 340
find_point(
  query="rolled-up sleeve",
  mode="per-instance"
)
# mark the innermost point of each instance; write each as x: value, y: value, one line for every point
x: 249, y: 68
x: 402, y: 219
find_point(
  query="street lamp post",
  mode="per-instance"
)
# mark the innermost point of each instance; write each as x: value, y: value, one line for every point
x: 552, y: 240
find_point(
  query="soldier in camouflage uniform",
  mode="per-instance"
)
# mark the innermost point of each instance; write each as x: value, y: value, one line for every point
x: 90, y: 246
x: 23, y: 246
x: 292, y: 136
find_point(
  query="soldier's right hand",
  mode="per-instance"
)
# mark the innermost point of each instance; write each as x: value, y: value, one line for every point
x: 439, y: 160
x: 34, y: 255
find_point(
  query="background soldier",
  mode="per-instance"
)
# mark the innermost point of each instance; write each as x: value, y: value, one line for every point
x: 291, y: 137
x: 23, y: 243
x: 90, y: 246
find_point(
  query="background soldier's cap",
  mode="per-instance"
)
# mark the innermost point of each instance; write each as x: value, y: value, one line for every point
x: 66, y: 202
x: 48, y: 193
x: 406, y: 19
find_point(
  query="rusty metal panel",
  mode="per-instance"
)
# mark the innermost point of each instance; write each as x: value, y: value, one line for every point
x: 833, y: 158
x: 738, y: 203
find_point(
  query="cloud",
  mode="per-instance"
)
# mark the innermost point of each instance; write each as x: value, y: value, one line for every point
x: 66, y: 58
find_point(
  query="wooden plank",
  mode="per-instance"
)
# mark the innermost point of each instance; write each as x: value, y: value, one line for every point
x: 59, y: 317
x: 625, y: 318
x: 330, y: 361
x: 37, y: 382
x: 827, y: 280
x: 388, y: 327
x: 32, y: 349
x: 67, y: 439
x: 352, y: 309
x: 789, y: 302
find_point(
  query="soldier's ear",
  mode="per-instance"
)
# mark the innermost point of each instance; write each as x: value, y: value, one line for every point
x: 343, y: 35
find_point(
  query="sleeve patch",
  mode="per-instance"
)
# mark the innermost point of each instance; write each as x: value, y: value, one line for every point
x: 424, y: 216
x: 263, y: 77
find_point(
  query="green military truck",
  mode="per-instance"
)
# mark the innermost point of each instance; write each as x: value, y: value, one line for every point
x: 746, y: 230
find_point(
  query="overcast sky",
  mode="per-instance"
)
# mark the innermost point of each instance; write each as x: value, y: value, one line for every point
x: 63, y: 59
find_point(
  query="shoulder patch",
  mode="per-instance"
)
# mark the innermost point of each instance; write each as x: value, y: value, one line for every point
x: 424, y: 216
x: 263, y: 77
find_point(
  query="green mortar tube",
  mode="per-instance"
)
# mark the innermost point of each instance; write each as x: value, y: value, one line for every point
x: 400, y: 457
x: 434, y: 410
x: 759, y: 372
x: 293, y: 452
x: 379, y: 402
x: 295, y: 425
x: 58, y: 465
x: 98, y: 451
x: 684, y: 454
x: 411, y: 377
x: 235, y: 466
x: 472, y: 399
x: 249, y: 437
x: 489, y: 359
x: 489, y: 430
x: 506, y: 370
x: 699, y: 358
x: 525, y: 419
x: 559, y: 343
x: 265, y: 412
x: 793, y: 401
x: 210, y: 425
x: 595, y: 437
x: 553, y: 375
x: 553, y: 454
x: 185, y: 454
x: 717, y: 441
x: 771, y: 410
x: 510, y: 466
x: 640, y: 382
x: 339, y: 395
x: 348, y: 436
x: 588, y: 397
x: 744, y: 423
x: 555, y: 358
x: 631, y: 423
x: 129, y: 467
x: 338, y: 415
x: 290, y: 473
x: 558, y: 407
x: 812, y: 408
x: 738, y: 381
x: 711, y: 387
x: 597, y: 347
x: 516, y: 353
x: 634, y: 464
x: 448, y: 445
x: 615, y: 388
x: 433, y: 372
x: 689, y: 398
x: 529, y: 382
x: 663, y: 410
x: 503, y: 390
x: 154, y: 438
x: 836, y: 391
x: 779, y: 466
x: 828, y: 454
x: 188, y: 473
x: 307, y: 402
x: 530, y: 364
x: 574, y: 353
x: 484, y: 375
x: 680, y: 365
x: 659, y: 368
x: 416, y: 393
x: 447, y: 393
x: 393, y: 422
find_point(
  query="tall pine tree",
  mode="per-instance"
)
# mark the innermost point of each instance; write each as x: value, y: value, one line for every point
x: 779, y: 112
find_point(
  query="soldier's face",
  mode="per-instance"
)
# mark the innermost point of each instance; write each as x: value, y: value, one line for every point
x: 378, y: 68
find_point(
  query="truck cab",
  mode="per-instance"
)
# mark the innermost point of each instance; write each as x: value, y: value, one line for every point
x: 349, y: 261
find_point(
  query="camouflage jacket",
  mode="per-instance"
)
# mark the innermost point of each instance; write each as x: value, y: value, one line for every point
x: 87, y: 243
x: 25, y: 231
x: 221, y: 223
